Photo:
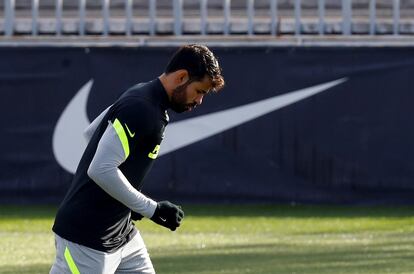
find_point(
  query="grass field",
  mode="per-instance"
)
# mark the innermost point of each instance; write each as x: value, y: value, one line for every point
x: 241, y: 239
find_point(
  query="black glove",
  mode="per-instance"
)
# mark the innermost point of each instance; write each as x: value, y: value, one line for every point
x: 168, y: 215
x: 135, y: 216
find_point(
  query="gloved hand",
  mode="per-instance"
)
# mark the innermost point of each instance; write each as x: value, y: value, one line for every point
x: 168, y: 215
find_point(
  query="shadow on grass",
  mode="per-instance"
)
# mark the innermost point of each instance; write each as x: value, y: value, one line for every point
x: 31, y: 268
x: 27, y: 212
x: 234, y: 210
x: 299, y: 211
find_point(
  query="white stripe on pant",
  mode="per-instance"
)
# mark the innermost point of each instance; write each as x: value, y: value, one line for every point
x: 131, y: 258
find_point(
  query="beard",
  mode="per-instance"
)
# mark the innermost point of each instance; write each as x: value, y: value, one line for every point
x: 179, y: 99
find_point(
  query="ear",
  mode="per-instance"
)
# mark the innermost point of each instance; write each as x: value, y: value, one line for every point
x: 181, y: 76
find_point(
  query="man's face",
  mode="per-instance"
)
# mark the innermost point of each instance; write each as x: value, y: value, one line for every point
x: 187, y: 96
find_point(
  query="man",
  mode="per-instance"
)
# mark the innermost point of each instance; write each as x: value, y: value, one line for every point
x: 93, y: 228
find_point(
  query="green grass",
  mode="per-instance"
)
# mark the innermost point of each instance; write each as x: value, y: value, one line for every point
x: 241, y: 239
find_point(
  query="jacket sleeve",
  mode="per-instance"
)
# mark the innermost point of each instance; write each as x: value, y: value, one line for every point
x: 104, y: 171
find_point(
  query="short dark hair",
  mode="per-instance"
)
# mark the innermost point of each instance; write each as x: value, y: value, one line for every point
x: 199, y: 61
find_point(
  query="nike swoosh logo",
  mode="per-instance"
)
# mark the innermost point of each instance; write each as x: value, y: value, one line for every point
x: 129, y: 132
x: 187, y: 132
x: 69, y: 143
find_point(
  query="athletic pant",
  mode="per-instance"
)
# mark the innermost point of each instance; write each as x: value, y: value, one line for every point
x: 72, y: 258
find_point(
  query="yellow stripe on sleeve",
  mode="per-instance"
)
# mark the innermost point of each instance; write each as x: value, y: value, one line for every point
x: 122, y: 136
